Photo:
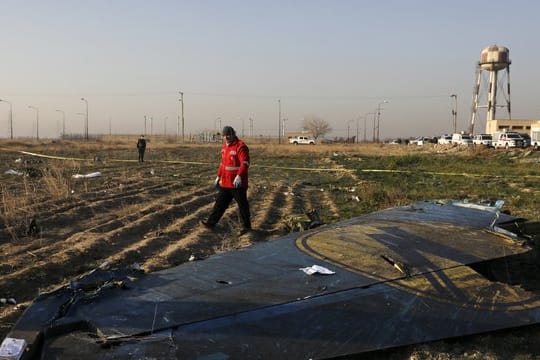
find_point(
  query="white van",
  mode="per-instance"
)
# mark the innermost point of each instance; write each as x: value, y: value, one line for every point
x: 462, y: 139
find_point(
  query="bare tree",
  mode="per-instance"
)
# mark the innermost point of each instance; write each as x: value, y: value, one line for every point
x: 317, y: 126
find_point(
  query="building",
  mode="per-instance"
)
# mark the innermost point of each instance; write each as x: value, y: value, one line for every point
x: 518, y: 125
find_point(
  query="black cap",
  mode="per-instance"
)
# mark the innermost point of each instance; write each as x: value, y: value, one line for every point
x: 228, y: 130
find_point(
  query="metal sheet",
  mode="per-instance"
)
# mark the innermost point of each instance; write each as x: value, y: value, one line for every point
x: 256, y: 303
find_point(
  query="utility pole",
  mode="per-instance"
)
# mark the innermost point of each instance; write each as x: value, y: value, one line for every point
x: 357, y: 128
x: 37, y: 120
x: 454, y: 112
x: 279, y: 121
x: 379, y: 116
x: 63, y: 123
x: 85, y: 120
x: 182, y: 101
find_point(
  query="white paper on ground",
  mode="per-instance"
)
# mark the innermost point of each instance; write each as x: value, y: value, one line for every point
x: 317, y: 269
x: 91, y: 175
x: 12, y: 348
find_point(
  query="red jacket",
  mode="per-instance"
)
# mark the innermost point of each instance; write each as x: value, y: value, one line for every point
x: 234, y: 161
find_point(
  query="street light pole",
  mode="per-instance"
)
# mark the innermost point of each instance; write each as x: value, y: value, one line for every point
x: 37, y: 120
x: 349, y: 128
x: 85, y: 120
x: 10, y: 118
x: 357, y: 128
x: 165, y: 125
x: 182, y: 101
x: 454, y: 112
x: 279, y: 121
x: 379, y: 116
x: 63, y: 122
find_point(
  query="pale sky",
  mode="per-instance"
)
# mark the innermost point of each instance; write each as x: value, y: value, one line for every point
x: 235, y: 59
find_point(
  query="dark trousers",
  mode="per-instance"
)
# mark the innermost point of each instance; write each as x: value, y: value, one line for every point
x: 141, y: 155
x: 223, y: 200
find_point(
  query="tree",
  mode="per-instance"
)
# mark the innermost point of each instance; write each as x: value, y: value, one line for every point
x: 317, y: 126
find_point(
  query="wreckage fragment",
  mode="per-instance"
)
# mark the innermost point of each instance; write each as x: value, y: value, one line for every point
x: 407, y: 268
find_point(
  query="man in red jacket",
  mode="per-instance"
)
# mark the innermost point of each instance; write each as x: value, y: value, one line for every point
x: 231, y: 181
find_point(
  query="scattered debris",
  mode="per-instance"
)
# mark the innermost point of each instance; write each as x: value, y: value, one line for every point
x: 224, y: 282
x: 87, y: 176
x: 315, y: 218
x: 317, y: 269
x: 296, y: 222
x: 401, y: 267
x: 13, y: 172
x: 12, y: 348
x: 10, y: 301
x: 33, y: 172
x: 32, y: 228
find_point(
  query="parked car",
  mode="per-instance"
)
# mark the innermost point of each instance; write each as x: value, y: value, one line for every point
x: 526, y: 140
x: 461, y: 139
x: 302, y: 140
x: 483, y: 139
x: 445, y: 139
x: 421, y: 140
x: 507, y: 140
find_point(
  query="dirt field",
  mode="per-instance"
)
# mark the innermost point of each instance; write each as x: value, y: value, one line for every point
x: 148, y: 213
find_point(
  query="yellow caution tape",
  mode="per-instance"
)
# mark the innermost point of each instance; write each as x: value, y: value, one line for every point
x: 285, y: 167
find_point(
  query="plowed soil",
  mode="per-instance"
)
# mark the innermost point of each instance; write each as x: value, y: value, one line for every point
x: 148, y: 214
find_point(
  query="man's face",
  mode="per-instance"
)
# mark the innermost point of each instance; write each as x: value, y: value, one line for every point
x: 228, y: 138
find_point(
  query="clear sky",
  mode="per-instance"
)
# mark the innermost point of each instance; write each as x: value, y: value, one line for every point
x: 234, y: 59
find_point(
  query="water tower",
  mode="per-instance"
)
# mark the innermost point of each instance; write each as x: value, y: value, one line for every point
x: 493, y: 59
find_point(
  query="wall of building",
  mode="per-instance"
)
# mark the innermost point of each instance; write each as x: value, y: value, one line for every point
x: 517, y: 125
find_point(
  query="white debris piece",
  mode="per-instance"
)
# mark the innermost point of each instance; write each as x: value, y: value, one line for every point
x: 13, y: 172
x: 317, y: 269
x: 12, y: 348
x: 90, y: 175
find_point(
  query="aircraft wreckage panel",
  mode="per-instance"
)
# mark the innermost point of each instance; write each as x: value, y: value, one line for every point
x: 402, y: 276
